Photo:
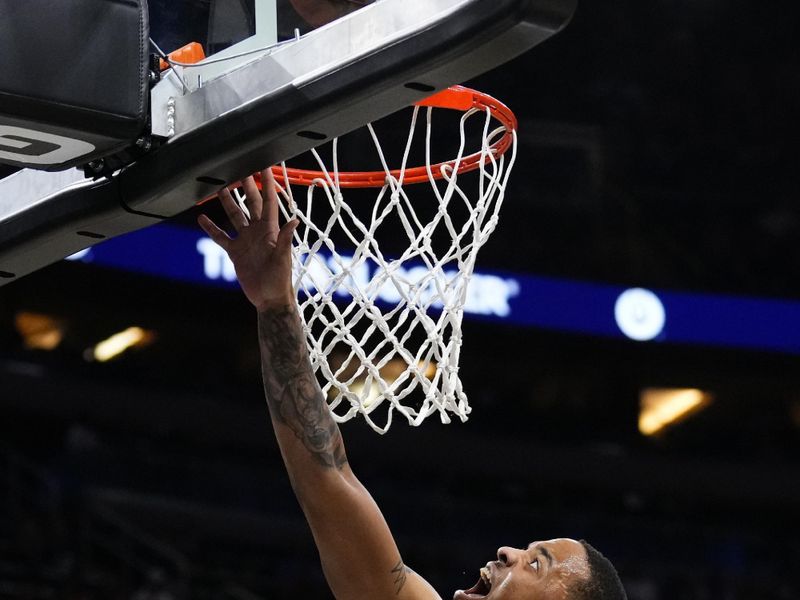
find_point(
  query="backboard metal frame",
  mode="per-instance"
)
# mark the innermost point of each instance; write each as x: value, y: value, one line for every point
x: 277, y: 105
x: 220, y: 63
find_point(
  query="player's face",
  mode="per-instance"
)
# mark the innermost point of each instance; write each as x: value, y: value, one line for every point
x: 542, y: 571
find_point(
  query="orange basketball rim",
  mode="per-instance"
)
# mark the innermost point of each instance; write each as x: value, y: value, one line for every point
x: 454, y: 98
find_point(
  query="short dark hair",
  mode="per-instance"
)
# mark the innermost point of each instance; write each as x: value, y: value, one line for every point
x: 603, y: 582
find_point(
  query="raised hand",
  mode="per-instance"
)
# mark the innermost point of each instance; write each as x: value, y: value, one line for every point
x: 261, y: 250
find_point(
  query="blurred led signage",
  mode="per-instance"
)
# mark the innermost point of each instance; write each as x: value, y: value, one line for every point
x: 640, y: 314
x: 184, y: 254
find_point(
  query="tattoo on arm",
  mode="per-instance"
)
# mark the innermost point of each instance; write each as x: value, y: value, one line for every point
x: 400, y: 572
x: 293, y: 394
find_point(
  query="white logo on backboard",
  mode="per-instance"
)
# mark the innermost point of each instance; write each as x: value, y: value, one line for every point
x: 39, y: 148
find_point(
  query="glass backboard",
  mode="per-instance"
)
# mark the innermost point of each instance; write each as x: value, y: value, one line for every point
x: 280, y: 77
x: 226, y: 28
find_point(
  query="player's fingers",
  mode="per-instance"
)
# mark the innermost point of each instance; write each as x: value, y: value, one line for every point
x: 215, y: 233
x: 270, y: 195
x: 285, y: 235
x: 252, y: 198
x: 235, y: 214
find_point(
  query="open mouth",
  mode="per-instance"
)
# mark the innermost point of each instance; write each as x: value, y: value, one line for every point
x: 479, y: 590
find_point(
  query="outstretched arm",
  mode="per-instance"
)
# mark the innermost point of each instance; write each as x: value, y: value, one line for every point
x: 358, y: 553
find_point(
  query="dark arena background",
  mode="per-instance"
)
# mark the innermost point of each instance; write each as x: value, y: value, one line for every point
x: 658, y: 150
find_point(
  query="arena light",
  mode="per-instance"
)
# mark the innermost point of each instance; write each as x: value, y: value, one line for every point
x: 640, y: 314
x: 660, y: 408
x: 120, y: 342
x: 38, y: 331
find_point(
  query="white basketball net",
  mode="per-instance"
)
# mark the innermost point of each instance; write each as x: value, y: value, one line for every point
x: 385, y: 331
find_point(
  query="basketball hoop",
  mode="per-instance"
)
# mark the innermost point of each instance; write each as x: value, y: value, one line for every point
x: 454, y: 98
x: 383, y: 319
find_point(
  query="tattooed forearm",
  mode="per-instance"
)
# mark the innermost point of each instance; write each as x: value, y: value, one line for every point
x: 292, y: 391
x: 400, y: 572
